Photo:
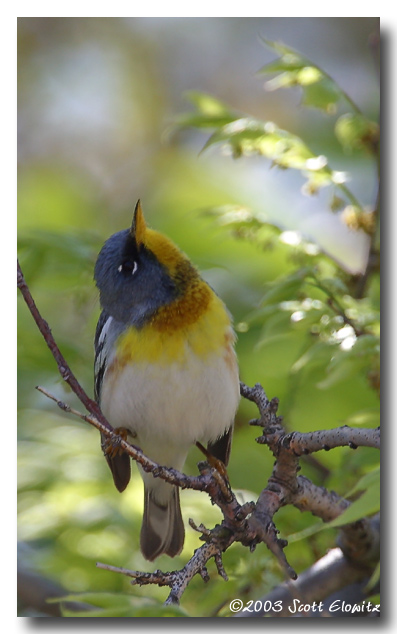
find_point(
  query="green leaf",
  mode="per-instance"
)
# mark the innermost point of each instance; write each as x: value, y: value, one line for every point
x: 340, y: 370
x: 333, y: 285
x: 306, y: 532
x: 354, y: 131
x: 97, y: 599
x: 106, y: 612
x: 258, y: 315
x: 374, y: 580
x: 370, y: 479
x: 317, y: 355
x: 250, y: 136
x: 294, y: 69
x: 247, y: 137
x: 207, y: 104
x: 232, y: 215
x: 367, y: 504
x: 318, y: 91
x: 211, y: 112
x: 346, y: 363
x: 323, y: 95
x: 286, y: 63
x: 364, y: 506
x: 273, y: 340
x: 283, y: 80
x: 285, y: 289
x: 117, y: 605
x: 289, y: 59
x: 366, y: 347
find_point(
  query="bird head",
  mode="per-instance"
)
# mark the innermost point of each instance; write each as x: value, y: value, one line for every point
x: 138, y: 271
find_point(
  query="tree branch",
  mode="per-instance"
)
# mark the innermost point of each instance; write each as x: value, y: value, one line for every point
x: 177, y: 580
x: 328, y: 439
x: 316, y: 586
x: 250, y: 523
x: 63, y: 367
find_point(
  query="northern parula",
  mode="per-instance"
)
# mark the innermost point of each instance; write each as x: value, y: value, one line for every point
x: 165, y: 368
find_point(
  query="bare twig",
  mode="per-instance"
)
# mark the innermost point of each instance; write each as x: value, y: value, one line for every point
x: 330, y: 438
x: 173, y: 476
x: 233, y: 527
x: 286, y: 487
x: 63, y: 367
x: 178, y: 580
x: 318, y: 500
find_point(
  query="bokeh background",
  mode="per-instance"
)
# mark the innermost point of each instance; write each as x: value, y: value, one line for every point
x: 97, y: 100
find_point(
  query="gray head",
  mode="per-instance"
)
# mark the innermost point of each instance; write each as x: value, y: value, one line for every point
x: 132, y: 282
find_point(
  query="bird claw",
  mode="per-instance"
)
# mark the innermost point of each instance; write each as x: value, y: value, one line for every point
x: 215, y: 463
x: 111, y: 446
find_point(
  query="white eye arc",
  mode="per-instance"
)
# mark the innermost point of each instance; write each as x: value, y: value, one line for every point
x: 133, y: 270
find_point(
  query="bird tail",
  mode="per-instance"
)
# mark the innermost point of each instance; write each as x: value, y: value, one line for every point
x: 162, y: 526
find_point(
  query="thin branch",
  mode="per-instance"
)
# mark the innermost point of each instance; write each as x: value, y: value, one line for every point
x: 249, y: 524
x: 318, y: 500
x: 349, y: 194
x: 286, y: 487
x: 373, y: 259
x: 173, y: 476
x: 358, y: 539
x: 178, y: 580
x: 63, y: 367
x: 336, y: 307
x: 306, y: 443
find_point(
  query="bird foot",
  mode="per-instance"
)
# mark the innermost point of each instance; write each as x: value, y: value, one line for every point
x: 213, y: 462
x: 111, y: 447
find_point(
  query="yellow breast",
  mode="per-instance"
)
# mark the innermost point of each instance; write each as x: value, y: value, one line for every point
x: 197, y: 323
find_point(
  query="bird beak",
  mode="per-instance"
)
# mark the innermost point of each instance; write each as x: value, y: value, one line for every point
x: 138, y: 226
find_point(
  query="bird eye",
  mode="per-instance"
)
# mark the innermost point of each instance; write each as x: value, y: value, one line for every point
x: 129, y: 266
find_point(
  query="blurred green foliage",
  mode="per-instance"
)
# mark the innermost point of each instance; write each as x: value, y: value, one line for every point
x: 306, y: 331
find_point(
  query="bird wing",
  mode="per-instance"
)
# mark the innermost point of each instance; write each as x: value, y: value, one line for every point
x: 221, y: 447
x: 119, y: 464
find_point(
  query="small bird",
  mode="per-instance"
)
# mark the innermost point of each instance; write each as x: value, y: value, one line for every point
x: 166, y: 373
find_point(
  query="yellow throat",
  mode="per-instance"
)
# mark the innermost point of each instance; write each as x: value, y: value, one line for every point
x: 197, y: 322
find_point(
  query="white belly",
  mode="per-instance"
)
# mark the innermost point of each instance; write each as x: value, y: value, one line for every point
x: 169, y: 409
